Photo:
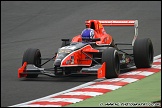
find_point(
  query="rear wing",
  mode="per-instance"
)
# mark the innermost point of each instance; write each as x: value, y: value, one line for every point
x: 120, y: 23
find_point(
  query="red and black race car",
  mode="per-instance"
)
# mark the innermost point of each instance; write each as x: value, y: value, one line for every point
x: 99, y: 56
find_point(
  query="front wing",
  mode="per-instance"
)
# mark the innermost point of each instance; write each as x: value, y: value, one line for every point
x: 27, y: 69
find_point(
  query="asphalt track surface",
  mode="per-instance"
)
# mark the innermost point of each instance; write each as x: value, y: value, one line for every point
x: 42, y: 25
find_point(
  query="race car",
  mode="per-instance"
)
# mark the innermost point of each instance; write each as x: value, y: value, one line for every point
x: 99, y: 55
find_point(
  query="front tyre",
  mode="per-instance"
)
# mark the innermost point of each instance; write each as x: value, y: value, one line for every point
x: 32, y: 56
x: 111, y: 57
x: 143, y: 53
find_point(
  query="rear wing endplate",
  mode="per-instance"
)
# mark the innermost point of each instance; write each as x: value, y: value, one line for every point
x: 120, y: 23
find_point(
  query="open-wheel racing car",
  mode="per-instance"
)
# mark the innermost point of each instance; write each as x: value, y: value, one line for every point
x: 99, y: 55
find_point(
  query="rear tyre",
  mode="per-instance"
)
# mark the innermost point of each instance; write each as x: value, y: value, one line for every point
x: 32, y: 56
x: 111, y: 57
x: 143, y: 53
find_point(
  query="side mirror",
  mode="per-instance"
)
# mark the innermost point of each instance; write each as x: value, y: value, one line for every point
x: 65, y: 39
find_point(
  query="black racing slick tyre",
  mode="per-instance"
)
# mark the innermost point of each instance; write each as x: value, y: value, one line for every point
x: 111, y: 57
x: 32, y: 56
x: 143, y: 53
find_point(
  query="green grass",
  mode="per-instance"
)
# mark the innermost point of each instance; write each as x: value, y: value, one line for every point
x: 144, y: 90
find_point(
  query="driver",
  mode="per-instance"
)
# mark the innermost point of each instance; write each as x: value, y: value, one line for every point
x: 87, y: 34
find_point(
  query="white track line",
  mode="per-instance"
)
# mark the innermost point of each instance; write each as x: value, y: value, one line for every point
x: 83, y: 93
x: 71, y: 100
x: 104, y: 86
